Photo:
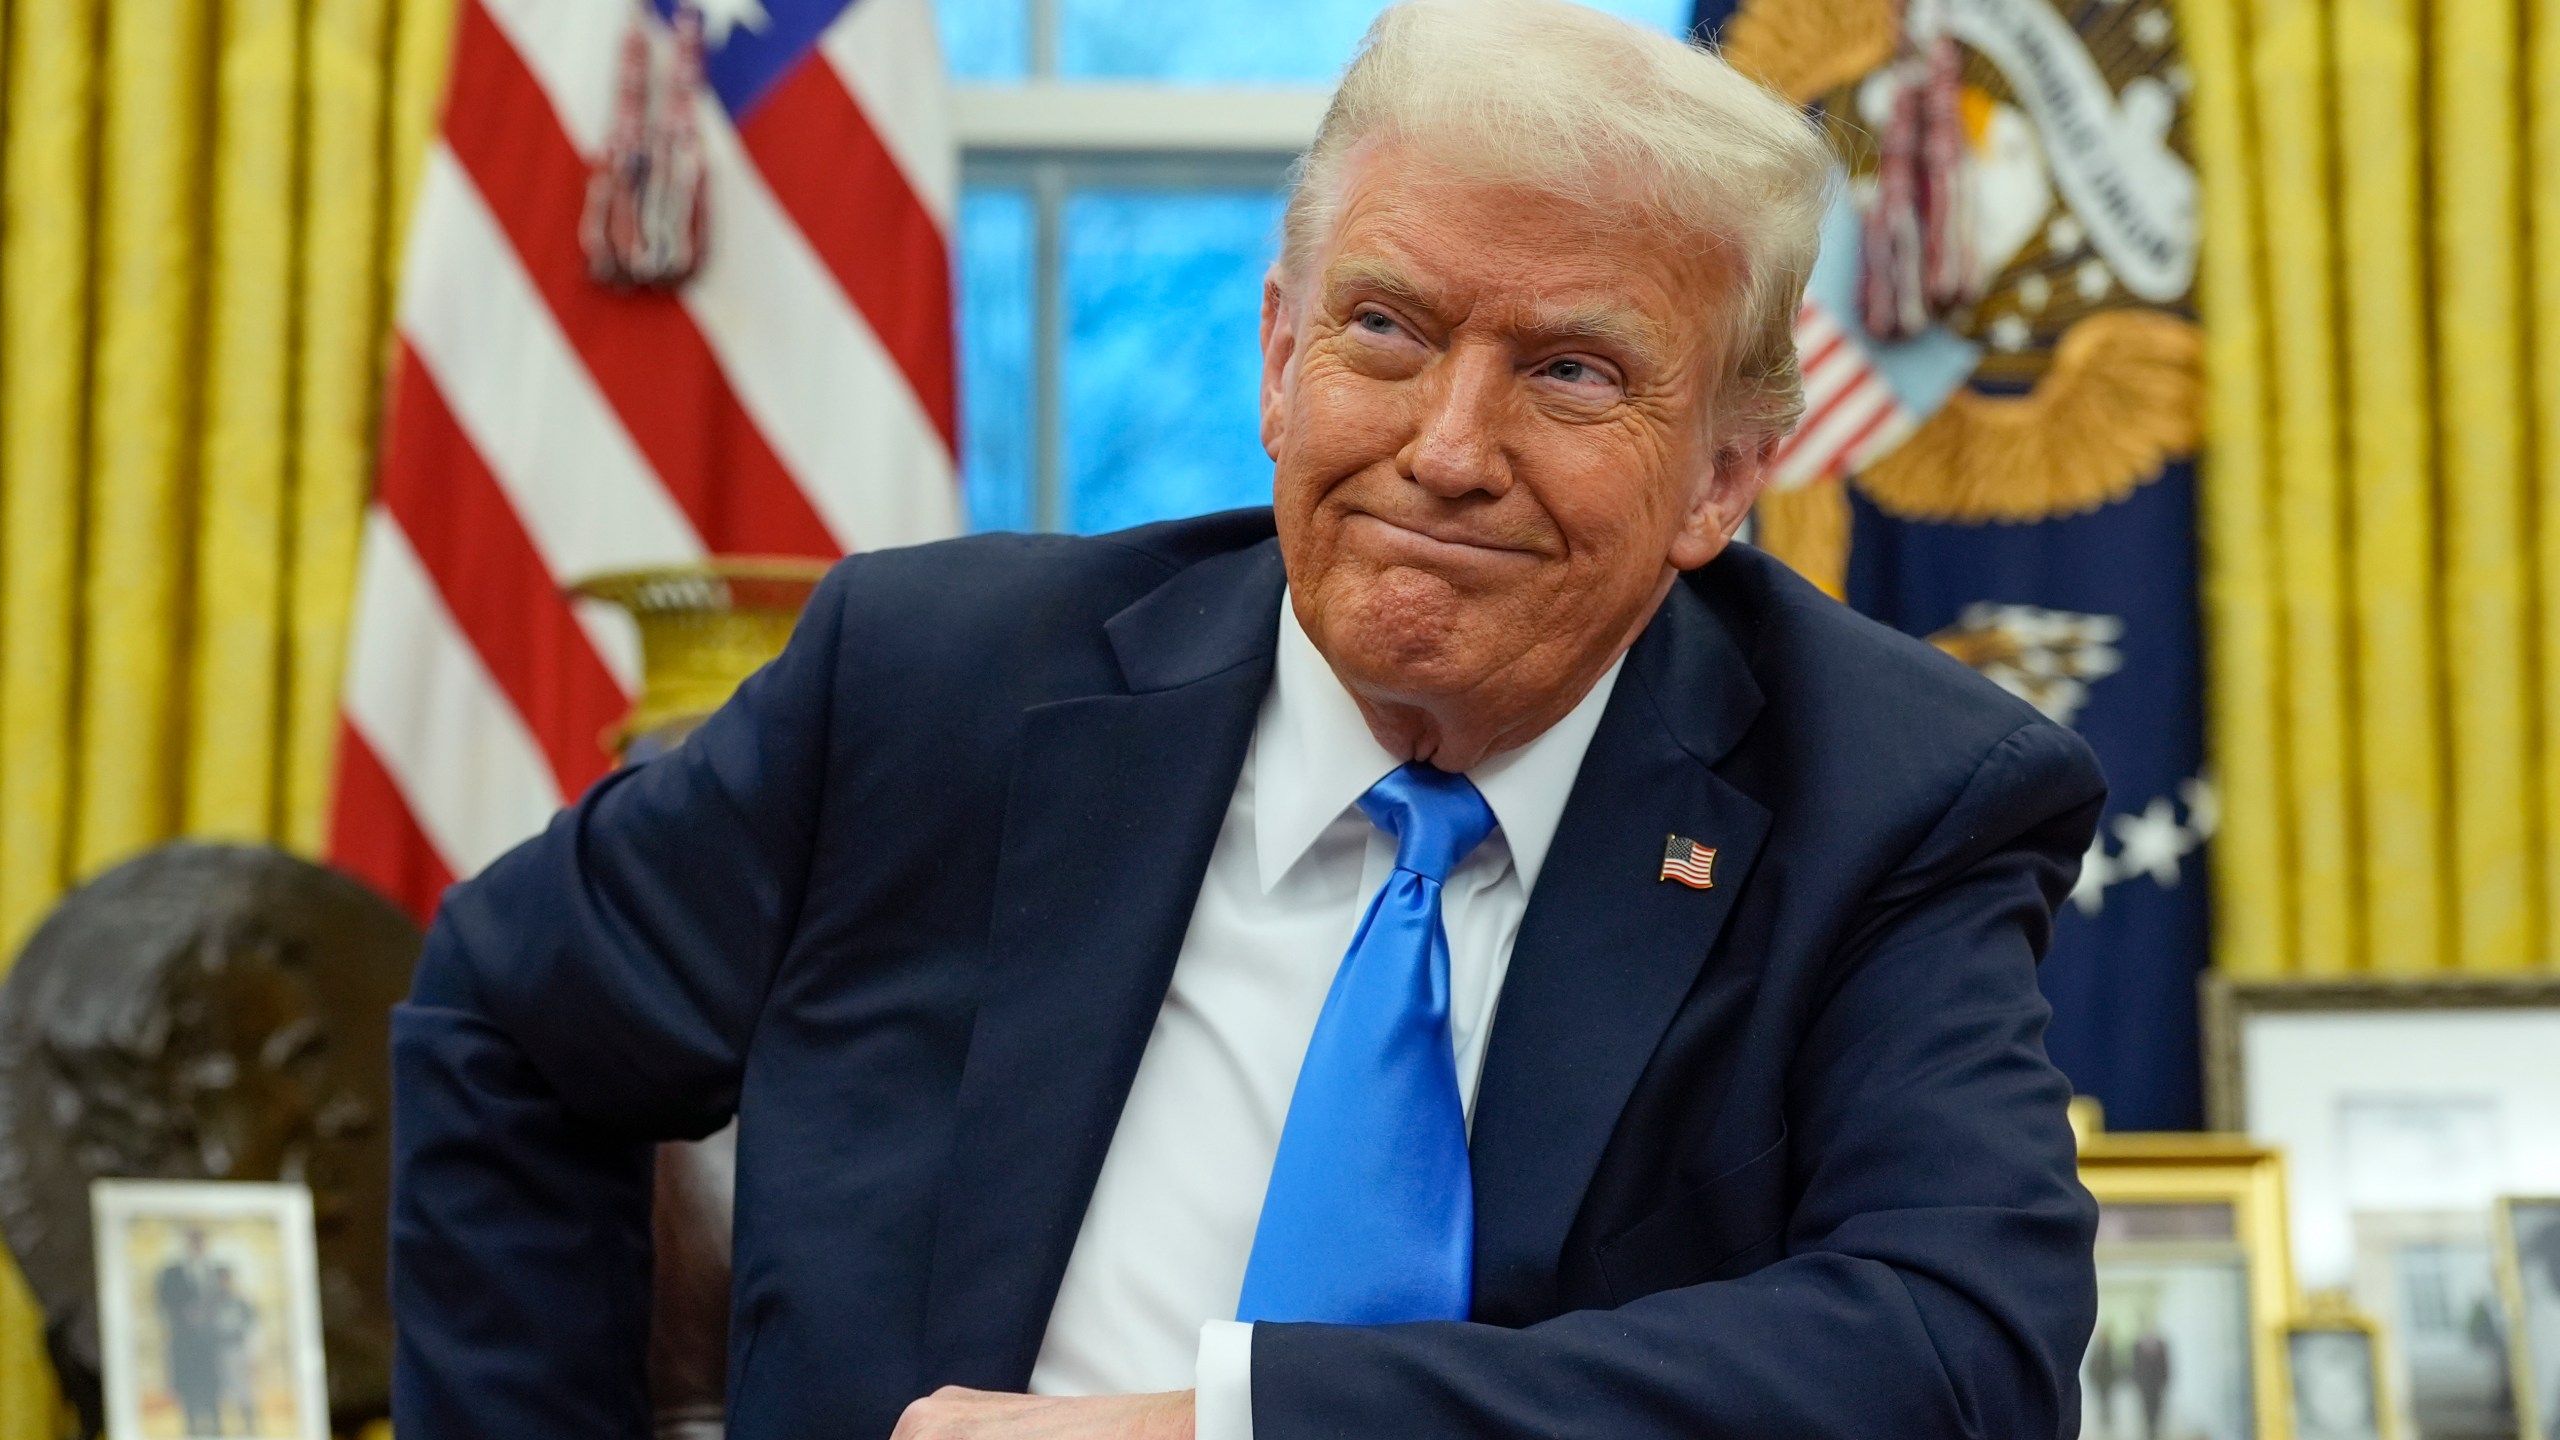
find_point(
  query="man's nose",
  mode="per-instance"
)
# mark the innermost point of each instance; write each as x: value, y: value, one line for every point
x: 1458, y: 449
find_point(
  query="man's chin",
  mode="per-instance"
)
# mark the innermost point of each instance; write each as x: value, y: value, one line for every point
x: 1402, y: 637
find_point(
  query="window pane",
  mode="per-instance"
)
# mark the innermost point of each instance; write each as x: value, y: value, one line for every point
x: 1164, y: 305
x: 1244, y: 40
x: 985, y: 39
x: 1667, y: 15
x: 996, y: 256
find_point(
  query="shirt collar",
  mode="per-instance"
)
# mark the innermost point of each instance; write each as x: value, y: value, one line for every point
x: 1313, y: 758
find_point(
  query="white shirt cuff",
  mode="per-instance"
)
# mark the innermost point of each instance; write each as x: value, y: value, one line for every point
x: 1222, y: 1382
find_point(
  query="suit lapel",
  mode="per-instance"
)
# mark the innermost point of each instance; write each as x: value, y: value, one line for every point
x: 1608, y: 950
x: 1115, y: 806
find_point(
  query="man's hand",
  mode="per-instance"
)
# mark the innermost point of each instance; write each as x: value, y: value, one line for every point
x: 952, y: 1413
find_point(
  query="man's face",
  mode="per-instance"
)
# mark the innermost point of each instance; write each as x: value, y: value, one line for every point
x: 1489, y: 408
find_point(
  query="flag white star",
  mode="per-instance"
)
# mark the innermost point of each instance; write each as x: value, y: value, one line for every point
x: 2152, y: 842
x: 2097, y: 872
x: 720, y: 17
x: 2204, y: 807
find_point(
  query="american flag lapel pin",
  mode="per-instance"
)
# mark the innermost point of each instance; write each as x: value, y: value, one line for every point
x: 1689, y: 862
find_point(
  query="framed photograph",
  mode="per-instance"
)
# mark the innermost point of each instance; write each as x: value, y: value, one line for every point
x: 2334, y: 1353
x: 209, y: 1311
x: 2193, y: 1290
x: 2429, y: 1276
x: 2387, y: 1096
x: 2528, y: 1260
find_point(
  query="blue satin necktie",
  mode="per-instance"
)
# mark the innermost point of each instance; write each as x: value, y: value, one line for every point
x: 1370, y: 1218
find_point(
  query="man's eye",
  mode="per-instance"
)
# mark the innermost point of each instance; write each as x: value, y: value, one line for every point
x: 1577, y: 373
x: 1375, y: 323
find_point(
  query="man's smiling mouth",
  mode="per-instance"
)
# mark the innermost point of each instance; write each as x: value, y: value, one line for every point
x: 1423, y: 538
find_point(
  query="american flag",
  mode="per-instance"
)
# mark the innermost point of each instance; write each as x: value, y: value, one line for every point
x: 795, y: 397
x: 1689, y: 862
x: 1851, y: 415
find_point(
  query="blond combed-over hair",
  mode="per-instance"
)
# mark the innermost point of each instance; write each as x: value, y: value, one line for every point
x: 1553, y: 96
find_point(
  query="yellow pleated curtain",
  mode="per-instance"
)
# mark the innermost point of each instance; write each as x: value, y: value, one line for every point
x: 2381, y: 498
x: 198, y: 206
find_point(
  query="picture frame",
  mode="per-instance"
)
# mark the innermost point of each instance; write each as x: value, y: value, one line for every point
x: 209, y: 1311
x: 2528, y: 1263
x: 2429, y: 1277
x: 2339, y: 1368
x: 2387, y: 1095
x: 2194, y: 1289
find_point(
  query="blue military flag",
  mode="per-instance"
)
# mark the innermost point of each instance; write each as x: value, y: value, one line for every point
x: 2002, y: 394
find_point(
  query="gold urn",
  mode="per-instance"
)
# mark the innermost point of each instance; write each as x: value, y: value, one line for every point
x: 704, y: 629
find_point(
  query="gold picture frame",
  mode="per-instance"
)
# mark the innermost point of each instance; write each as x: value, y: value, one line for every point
x: 2334, y: 1312
x: 2533, y: 1318
x: 2192, y: 1224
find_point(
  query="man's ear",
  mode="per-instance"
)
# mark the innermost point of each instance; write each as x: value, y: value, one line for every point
x: 1279, y: 345
x: 1717, y: 505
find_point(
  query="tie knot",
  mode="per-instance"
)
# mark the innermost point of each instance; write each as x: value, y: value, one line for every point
x: 1438, y: 818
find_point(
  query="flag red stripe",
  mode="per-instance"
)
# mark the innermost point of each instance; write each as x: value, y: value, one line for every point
x: 373, y: 837
x: 1822, y: 412
x: 494, y: 582
x: 1822, y: 353
x: 464, y: 576
x: 1875, y: 422
x: 840, y: 184
x: 645, y: 352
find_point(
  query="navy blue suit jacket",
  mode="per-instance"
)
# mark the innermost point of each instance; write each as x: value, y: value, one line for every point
x: 1783, y: 1157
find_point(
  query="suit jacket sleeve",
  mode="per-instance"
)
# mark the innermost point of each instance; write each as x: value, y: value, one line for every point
x: 589, y: 994
x: 1938, y: 1279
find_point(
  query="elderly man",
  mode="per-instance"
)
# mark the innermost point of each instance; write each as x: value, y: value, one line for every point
x: 1491, y: 959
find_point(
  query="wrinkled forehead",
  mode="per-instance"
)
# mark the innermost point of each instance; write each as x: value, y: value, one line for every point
x: 1460, y: 240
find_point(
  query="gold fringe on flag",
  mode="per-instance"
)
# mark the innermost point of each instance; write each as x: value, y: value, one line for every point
x: 1804, y: 49
x: 1808, y: 527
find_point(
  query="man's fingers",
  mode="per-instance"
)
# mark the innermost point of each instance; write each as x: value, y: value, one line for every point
x: 934, y: 1416
x: 955, y: 1413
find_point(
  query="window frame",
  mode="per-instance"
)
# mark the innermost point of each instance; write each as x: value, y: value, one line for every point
x: 1050, y: 139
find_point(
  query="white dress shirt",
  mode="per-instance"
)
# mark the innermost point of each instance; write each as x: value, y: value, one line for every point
x: 1149, y: 1298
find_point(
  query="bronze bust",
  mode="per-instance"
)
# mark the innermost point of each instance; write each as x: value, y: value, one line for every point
x: 206, y: 1012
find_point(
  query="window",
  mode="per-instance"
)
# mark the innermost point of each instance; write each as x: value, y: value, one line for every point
x: 1122, y: 169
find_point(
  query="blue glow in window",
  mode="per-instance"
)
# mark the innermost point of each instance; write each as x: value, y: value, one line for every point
x: 1164, y: 360
x: 985, y: 40
x: 1235, y: 40
x: 996, y: 255
x: 1244, y: 41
